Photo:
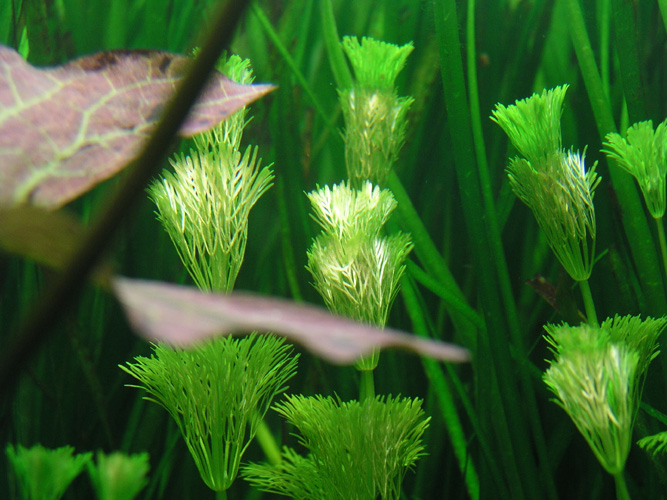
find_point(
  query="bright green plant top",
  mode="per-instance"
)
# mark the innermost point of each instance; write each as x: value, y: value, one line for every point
x: 205, y: 203
x: 217, y: 393
x: 357, y: 451
x: 559, y: 191
x: 596, y: 383
x: 204, y: 206
x: 533, y: 124
x: 45, y: 474
x: 376, y: 64
x: 118, y: 476
x: 639, y: 335
x: 642, y: 154
x: 655, y: 444
x: 346, y: 213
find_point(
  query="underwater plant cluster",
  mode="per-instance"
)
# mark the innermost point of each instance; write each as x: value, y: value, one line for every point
x: 333, y: 250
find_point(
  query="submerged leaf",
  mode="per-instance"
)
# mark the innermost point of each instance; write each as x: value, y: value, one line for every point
x: 48, y: 238
x: 65, y: 129
x: 183, y: 315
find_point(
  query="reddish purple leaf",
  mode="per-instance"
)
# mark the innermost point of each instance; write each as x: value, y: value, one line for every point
x: 63, y: 130
x: 182, y: 315
x: 47, y: 237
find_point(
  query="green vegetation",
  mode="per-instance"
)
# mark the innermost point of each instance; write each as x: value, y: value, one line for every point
x: 396, y: 211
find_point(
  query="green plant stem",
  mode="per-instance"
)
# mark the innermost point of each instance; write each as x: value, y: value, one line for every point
x: 621, y: 488
x: 589, y: 305
x: 221, y: 495
x: 268, y: 443
x: 367, y: 386
x: 663, y: 11
x: 663, y: 243
x: 39, y: 323
x: 634, y: 221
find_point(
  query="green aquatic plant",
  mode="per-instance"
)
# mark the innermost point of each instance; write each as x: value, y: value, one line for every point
x: 460, y: 284
x: 357, y: 450
x: 598, y: 375
x: 354, y: 267
x: 555, y: 184
x: 218, y: 394
x: 594, y: 381
x: 533, y: 124
x: 204, y: 204
x: 375, y: 116
x: 118, y: 476
x: 643, y: 154
x: 654, y: 445
x: 560, y: 191
x: 43, y: 473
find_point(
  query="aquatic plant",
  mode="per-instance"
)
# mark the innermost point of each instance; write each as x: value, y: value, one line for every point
x: 493, y: 432
x: 217, y: 393
x: 354, y: 267
x: 42, y: 473
x: 356, y: 450
x: 118, y: 476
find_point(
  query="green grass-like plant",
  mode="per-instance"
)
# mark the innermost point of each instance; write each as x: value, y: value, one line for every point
x: 217, y: 393
x: 43, y: 473
x: 354, y: 267
x: 357, y: 451
x: 643, y: 154
x: 375, y: 117
x: 118, y: 476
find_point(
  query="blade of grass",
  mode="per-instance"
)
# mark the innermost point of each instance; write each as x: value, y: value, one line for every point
x: 445, y: 398
x: 339, y: 67
x: 625, y: 34
x: 428, y: 254
x: 453, y: 302
x: 289, y: 60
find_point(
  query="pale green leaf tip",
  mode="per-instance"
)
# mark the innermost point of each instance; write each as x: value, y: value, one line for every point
x: 376, y: 63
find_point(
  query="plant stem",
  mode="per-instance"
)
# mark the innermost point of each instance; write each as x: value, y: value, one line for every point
x: 621, y: 488
x: 367, y: 388
x: 268, y: 443
x: 589, y: 305
x: 663, y: 244
x: 221, y: 495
